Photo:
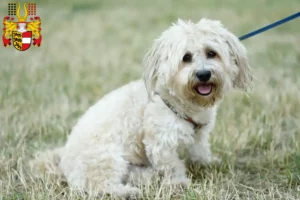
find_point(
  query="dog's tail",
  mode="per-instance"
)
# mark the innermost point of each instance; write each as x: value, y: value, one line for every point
x: 46, y: 165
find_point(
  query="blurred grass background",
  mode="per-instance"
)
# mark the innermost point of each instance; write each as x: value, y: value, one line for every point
x: 91, y: 47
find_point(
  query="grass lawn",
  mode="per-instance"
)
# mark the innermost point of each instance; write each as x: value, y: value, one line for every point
x: 91, y: 47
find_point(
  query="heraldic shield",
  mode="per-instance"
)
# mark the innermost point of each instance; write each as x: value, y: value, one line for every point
x: 22, y: 40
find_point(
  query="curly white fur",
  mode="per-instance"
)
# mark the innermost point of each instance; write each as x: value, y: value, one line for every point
x: 131, y: 132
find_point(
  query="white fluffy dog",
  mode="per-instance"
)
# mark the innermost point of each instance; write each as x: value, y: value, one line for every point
x: 139, y: 128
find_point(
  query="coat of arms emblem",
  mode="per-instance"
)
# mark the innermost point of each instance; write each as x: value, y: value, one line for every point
x: 22, y: 33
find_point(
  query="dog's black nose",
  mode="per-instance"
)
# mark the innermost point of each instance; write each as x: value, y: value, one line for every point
x: 203, y: 75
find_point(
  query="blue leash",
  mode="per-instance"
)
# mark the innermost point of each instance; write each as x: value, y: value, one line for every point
x: 270, y: 26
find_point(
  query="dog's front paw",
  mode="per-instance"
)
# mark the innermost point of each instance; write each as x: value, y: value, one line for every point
x: 132, y: 193
x: 183, y: 182
x: 209, y: 160
x: 178, y: 181
x: 215, y: 160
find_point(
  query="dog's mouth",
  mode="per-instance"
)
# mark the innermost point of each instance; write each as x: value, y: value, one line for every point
x: 204, y: 89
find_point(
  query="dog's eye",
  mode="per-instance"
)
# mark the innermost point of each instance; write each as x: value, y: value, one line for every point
x: 188, y: 57
x: 211, y: 54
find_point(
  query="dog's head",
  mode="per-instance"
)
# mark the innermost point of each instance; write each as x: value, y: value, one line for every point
x: 197, y: 63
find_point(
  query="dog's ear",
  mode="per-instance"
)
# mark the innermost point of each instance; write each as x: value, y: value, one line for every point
x: 163, y: 59
x: 151, y: 63
x: 238, y: 52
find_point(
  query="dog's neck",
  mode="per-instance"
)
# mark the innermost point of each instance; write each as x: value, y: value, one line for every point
x: 181, y: 114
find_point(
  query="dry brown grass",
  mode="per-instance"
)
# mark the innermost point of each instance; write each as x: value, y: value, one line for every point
x: 91, y: 48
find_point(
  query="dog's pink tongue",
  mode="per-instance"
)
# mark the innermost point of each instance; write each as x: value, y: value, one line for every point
x: 204, y: 89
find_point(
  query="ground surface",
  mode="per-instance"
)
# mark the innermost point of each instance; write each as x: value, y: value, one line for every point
x: 91, y: 47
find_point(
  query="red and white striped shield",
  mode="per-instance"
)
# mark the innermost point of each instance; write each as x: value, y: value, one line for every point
x: 22, y: 41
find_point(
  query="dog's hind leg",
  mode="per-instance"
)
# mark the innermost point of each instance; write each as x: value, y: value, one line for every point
x: 99, y: 170
x: 47, y: 163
